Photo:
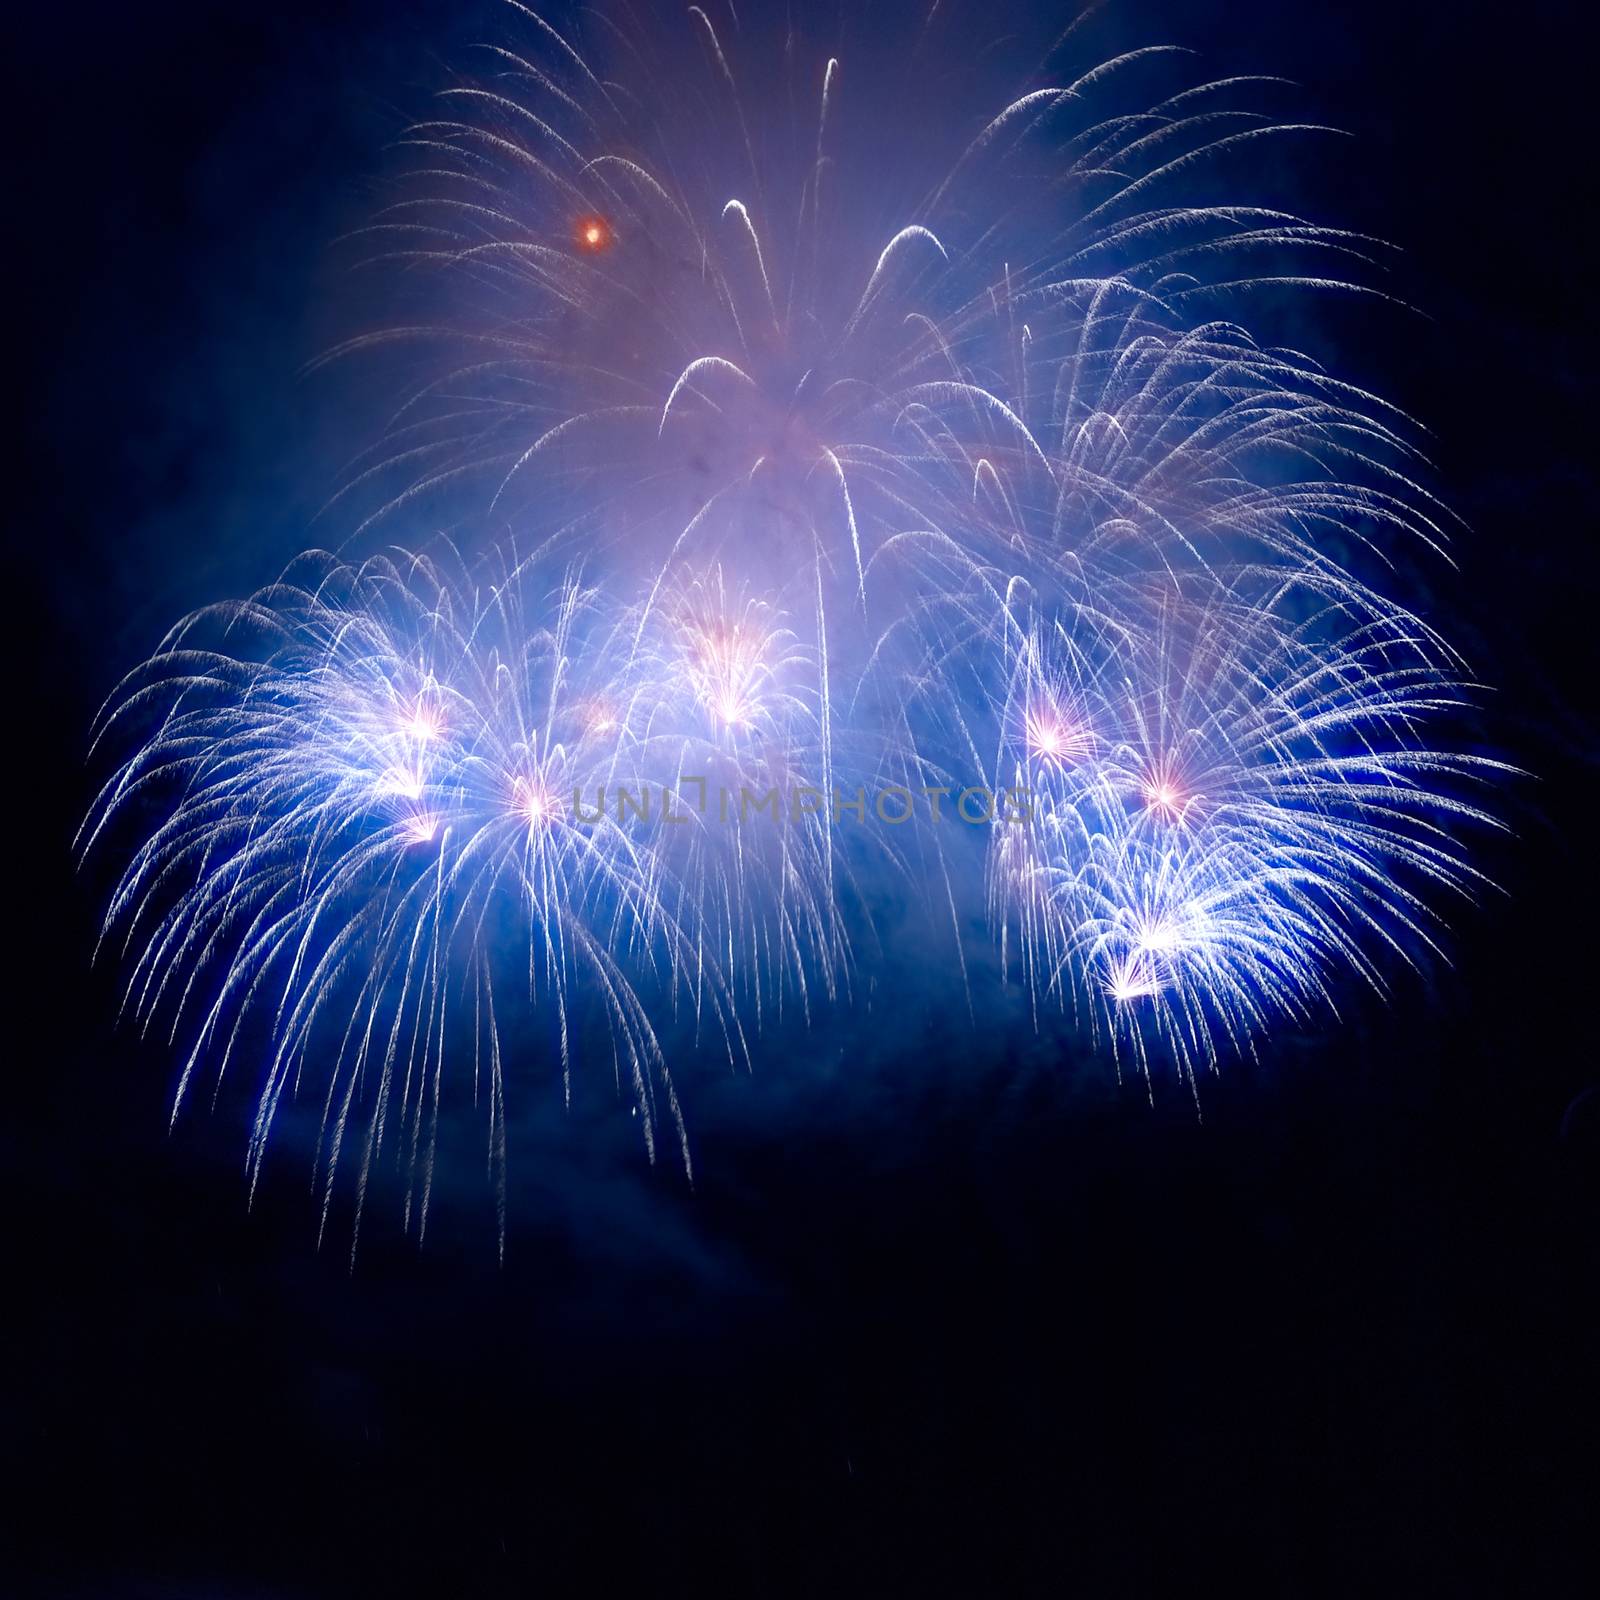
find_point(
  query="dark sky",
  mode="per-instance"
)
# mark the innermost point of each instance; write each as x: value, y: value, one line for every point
x: 947, y: 1312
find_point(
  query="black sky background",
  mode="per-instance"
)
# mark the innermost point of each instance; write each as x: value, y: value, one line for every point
x: 947, y: 1312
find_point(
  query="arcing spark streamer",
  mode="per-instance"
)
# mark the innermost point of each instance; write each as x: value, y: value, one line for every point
x: 836, y: 455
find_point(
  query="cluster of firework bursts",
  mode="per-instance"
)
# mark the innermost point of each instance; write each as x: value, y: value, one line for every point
x: 789, y: 482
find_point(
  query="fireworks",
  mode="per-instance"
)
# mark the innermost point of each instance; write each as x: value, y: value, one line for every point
x: 840, y: 459
x: 1254, y: 816
x: 371, y: 782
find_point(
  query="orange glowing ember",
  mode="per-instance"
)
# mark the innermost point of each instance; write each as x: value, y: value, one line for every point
x: 593, y: 235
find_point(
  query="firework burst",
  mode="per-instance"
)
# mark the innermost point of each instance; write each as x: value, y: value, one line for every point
x: 1250, y: 808
x: 363, y: 805
x: 848, y: 451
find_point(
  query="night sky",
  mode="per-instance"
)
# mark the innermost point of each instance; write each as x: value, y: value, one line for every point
x: 948, y: 1310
